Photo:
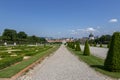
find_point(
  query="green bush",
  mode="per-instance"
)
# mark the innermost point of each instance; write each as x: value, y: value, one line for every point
x: 9, y: 61
x: 101, y: 45
x: 30, y: 53
x: 95, y: 44
x: 4, y: 55
x: 112, y: 62
x: 108, y: 45
x: 69, y: 44
x: 77, y: 47
x: 86, y: 49
x: 91, y: 44
x: 73, y: 45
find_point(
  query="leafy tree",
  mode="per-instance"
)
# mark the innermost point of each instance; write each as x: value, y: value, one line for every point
x: 9, y: 35
x: 22, y: 35
x: 86, y: 49
x: 33, y: 39
x: 42, y: 40
x: 112, y: 62
x: 105, y: 38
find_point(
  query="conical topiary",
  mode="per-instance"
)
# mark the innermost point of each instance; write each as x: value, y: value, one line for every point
x: 72, y: 45
x: 77, y: 47
x: 112, y: 62
x: 95, y: 44
x: 108, y: 45
x: 101, y: 45
x: 86, y: 49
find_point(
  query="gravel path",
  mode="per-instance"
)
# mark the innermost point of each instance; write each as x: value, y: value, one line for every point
x: 100, y: 52
x: 63, y: 66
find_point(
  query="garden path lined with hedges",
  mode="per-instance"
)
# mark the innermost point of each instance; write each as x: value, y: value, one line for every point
x: 63, y: 66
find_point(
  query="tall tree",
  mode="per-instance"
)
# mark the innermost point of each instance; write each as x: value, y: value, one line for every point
x: 22, y: 35
x: 9, y: 35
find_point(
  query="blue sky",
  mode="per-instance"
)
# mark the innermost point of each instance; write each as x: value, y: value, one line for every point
x: 60, y: 18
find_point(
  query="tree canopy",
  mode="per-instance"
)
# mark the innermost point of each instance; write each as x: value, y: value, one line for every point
x: 10, y: 35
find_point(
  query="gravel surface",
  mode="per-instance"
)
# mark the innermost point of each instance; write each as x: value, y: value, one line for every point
x: 97, y: 51
x: 63, y: 66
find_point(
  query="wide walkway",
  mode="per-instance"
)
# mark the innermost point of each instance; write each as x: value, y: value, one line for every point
x: 63, y: 66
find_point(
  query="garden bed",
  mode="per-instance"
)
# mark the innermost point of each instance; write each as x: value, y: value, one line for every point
x: 13, y: 69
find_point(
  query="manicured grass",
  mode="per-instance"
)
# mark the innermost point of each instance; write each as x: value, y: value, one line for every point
x: 96, y: 63
x: 12, y: 70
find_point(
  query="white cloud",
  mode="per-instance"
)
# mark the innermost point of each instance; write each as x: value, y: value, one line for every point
x: 90, y: 29
x: 113, y: 20
x: 83, y: 31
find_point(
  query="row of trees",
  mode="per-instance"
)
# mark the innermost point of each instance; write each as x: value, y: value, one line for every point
x: 76, y: 46
x: 104, y: 39
x: 10, y: 35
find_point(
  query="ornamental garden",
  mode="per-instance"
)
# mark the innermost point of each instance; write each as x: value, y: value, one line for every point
x: 18, y: 51
x: 110, y: 66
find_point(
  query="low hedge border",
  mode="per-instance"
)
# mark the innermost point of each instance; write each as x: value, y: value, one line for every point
x: 15, y: 71
x: 9, y: 61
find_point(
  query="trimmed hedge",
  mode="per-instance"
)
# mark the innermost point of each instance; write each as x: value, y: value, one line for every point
x: 95, y: 44
x: 101, y: 45
x: 9, y: 61
x: 86, y: 49
x: 77, y: 47
x: 71, y: 45
x: 112, y: 62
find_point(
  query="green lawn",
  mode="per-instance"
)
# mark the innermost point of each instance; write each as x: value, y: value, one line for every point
x: 12, y: 70
x: 95, y: 62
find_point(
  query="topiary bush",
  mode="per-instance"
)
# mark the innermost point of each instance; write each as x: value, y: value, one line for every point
x: 77, y: 47
x: 101, y: 45
x: 112, y: 61
x: 95, y: 44
x: 108, y: 45
x: 86, y: 49
x: 73, y: 45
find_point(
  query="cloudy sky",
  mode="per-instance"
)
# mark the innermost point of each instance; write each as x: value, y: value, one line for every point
x: 60, y: 18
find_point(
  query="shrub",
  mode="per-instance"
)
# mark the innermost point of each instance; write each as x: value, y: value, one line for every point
x: 86, y: 49
x: 71, y: 45
x: 77, y: 47
x: 30, y: 53
x: 91, y: 44
x: 9, y: 61
x: 95, y: 44
x: 4, y: 55
x: 112, y: 62
x: 108, y: 45
x: 101, y: 45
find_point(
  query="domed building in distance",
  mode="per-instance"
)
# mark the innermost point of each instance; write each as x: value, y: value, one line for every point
x: 91, y: 36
